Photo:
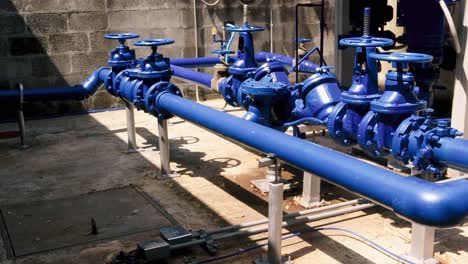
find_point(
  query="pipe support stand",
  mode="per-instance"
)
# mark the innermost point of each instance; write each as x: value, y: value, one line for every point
x: 132, y: 146
x: 164, y: 151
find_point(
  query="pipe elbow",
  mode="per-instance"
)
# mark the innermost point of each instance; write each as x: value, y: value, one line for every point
x: 94, y: 81
x: 438, y: 205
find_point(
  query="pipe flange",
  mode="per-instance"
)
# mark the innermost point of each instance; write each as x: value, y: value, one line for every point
x: 335, y: 124
x: 152, y: 95
x: 226, y: 89
x: 368, y: 134
x: 401, y: 138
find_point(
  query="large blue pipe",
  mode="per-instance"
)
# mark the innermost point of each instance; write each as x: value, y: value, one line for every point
x: 424, y: 202
x: 453, y: 152
x: 77, y: 92
x: 191, y: 75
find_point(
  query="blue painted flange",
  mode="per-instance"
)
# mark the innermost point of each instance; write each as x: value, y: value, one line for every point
x: 417, y: 137
x: 153, y: 94
x: 371, y: 135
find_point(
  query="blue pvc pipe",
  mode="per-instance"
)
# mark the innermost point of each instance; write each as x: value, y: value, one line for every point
x: 424, y: 202
x: 193, y: 76
x: 77, y: 92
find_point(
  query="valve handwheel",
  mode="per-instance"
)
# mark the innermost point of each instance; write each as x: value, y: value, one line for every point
x: 223, y: 52
x: 153, y: 42
x: 401, y: 57
x: 303, y: 40
x: 366, y: 41
x: 400, y: 60
x: 121, y: 36
x: 244, y: 28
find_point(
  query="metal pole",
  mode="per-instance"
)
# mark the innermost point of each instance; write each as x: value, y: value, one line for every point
x: 21, y: 124
x: 322, y: 29
x: 246, y: 16
x: 262, y: 229
x: 275, y: 216
x: 164, y: 149
x: 288, y: 216
x: 422, y: 243
x: 131, y: 133
x: 195, y: 39
x: 296, y: 52
x: 271, y: 26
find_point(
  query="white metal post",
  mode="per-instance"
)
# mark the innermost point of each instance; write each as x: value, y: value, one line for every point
x: 131, y: 133
x: 422, y: 243
x: 164, y: 151
x: 164, y: 148
x: 310, y: 190
x: 275, y: 220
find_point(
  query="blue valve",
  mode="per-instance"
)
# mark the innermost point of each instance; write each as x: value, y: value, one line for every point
x: 366, y: 41
x: 122, y: 56
x: 155, y: 66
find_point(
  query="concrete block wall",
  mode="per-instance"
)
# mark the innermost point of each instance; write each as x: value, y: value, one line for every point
x: 59, y: 42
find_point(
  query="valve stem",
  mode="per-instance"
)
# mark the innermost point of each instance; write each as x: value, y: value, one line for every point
x: 366, y: 28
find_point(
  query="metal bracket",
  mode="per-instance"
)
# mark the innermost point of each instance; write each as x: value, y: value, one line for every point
x: 273, y: 174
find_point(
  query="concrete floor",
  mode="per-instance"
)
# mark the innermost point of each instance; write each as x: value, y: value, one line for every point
x: 74, y: 155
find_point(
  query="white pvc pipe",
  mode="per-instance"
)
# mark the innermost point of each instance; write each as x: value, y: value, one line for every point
x: 451, y: 24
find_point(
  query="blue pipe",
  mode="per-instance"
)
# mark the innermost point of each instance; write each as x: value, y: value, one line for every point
x: 190, y: 75
x: 424, y: 202
x: 196, y: 62
x: 77, y: 92
x: 453, y: 152
x: 260, y: 57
